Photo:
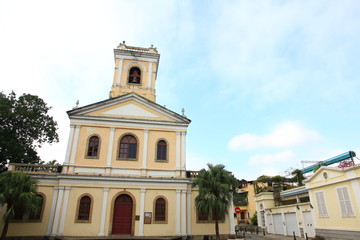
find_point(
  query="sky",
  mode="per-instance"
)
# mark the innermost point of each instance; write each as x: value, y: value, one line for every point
x: 267, y: 84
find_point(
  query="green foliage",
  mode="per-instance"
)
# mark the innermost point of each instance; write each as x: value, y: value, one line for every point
x: 216, y: 189
x: 17, y: 190
x: 24, y: 126
x: 298, y: 176
x: 254, y: 220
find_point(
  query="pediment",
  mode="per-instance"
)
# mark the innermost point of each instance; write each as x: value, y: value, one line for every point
x: 130, y: 106
x: 130, y: 109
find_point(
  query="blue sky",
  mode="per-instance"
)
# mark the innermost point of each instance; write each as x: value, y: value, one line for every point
x: 266, y: 84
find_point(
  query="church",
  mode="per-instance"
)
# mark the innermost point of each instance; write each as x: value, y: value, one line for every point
x: 124, y: 172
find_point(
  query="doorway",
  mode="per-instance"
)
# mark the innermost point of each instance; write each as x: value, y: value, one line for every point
x: 123, y: 215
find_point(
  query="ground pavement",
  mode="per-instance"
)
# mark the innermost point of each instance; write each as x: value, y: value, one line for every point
x: 254, y: 236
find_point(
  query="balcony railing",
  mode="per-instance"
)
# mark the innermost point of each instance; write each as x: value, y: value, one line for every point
x: 35, y: 168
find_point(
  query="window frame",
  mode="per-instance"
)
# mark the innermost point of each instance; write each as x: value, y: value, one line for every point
x: 166, y: 153
x: 128, y: 75
x: 323, y: 206
x: 87, y: 147
x: 166, y: 210
x: 346, y: 210
x: 26, y: 215
x: 77, y: 220
x: 119, y: 148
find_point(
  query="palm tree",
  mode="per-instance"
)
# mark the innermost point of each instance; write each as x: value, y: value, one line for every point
x: 17, y: 191
x: 216, y: 189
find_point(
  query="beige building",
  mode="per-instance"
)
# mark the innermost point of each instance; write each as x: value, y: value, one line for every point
x: 125, y: 166
x: 246, y: 203
x: 335, y: 194
x: 327, y: 206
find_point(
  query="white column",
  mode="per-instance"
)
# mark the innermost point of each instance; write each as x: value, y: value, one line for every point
x: 183, y: 212
x: 189, y: 206
x: 146, y: 137
x: 67, y: 155
x: 142, y: 210
x: 74, y: 146
x: 103, y: 211
x: 183, y: 151
x: 64, y: 210
x: 150, y: 74
x: 177, y: 150
x: 231, y: 217
x: 52, y: 211
x: 178, y: 213
x: 119, y: 72
x: 110, y: 147
x: 57, y: 211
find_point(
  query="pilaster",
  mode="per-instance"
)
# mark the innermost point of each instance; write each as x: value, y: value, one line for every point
x: 103, y: 211
x: 142, y: 210
x: 178, y: 213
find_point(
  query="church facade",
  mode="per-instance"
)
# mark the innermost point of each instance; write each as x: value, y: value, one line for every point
x: 124, y: 172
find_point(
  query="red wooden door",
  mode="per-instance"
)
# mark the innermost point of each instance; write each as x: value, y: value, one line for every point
x: 123, y: 211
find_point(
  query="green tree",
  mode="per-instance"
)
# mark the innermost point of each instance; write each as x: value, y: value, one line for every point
x: 254, y: 219
x: 298, y: 176
x: 216, y: 189
x: 24, y: 126
x: 17, y: 191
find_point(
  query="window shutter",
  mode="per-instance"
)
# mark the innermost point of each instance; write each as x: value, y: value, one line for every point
x: 320, y: 200
x: 345, y: 204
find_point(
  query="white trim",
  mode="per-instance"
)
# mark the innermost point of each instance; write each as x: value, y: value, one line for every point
x: 125, y: 98
x: 137, y: 58
x: 111, y: 144
x: 150, y: 74
x: 88, y: 170
x: 183, y: 151
x: 142, y: 207
x: 189, y: 206
x: 161, y: 173
x: 356, y: 190
x: 135, y: 64
x: 119, y: 71
x: 178, y: 213
x: 126, y: 172
x: 52, y: 212
x: 183, y: 212
x: 103, y: 211
x: 115, y: 181
x: 71, y: 135
x: 57, y: 211
x: 146, y: 137
x: 64, y: 210
x: 128, y: 123
x: 74, y: 147
x: 178, y: 150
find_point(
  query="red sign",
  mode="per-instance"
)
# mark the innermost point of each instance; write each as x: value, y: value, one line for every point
x: 237, y: 210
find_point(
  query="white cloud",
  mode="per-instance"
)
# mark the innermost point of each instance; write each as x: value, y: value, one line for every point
x: 284, y: 135
x: 270, y: 172
x: 286, y: 156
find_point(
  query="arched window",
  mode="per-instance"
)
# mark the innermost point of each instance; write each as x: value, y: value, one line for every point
x: 134, y: 75
x: 161, y: 150
x: 84, y: 209
x: 93, y: 147
x: 160, y: 210
x: 128, y: 147
x: 22, y: 214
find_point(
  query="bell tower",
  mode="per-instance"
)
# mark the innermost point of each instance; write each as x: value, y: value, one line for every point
x: 135, y: 71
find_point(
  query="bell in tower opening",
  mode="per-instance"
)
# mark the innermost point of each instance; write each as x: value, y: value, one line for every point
x: 134, y: 75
